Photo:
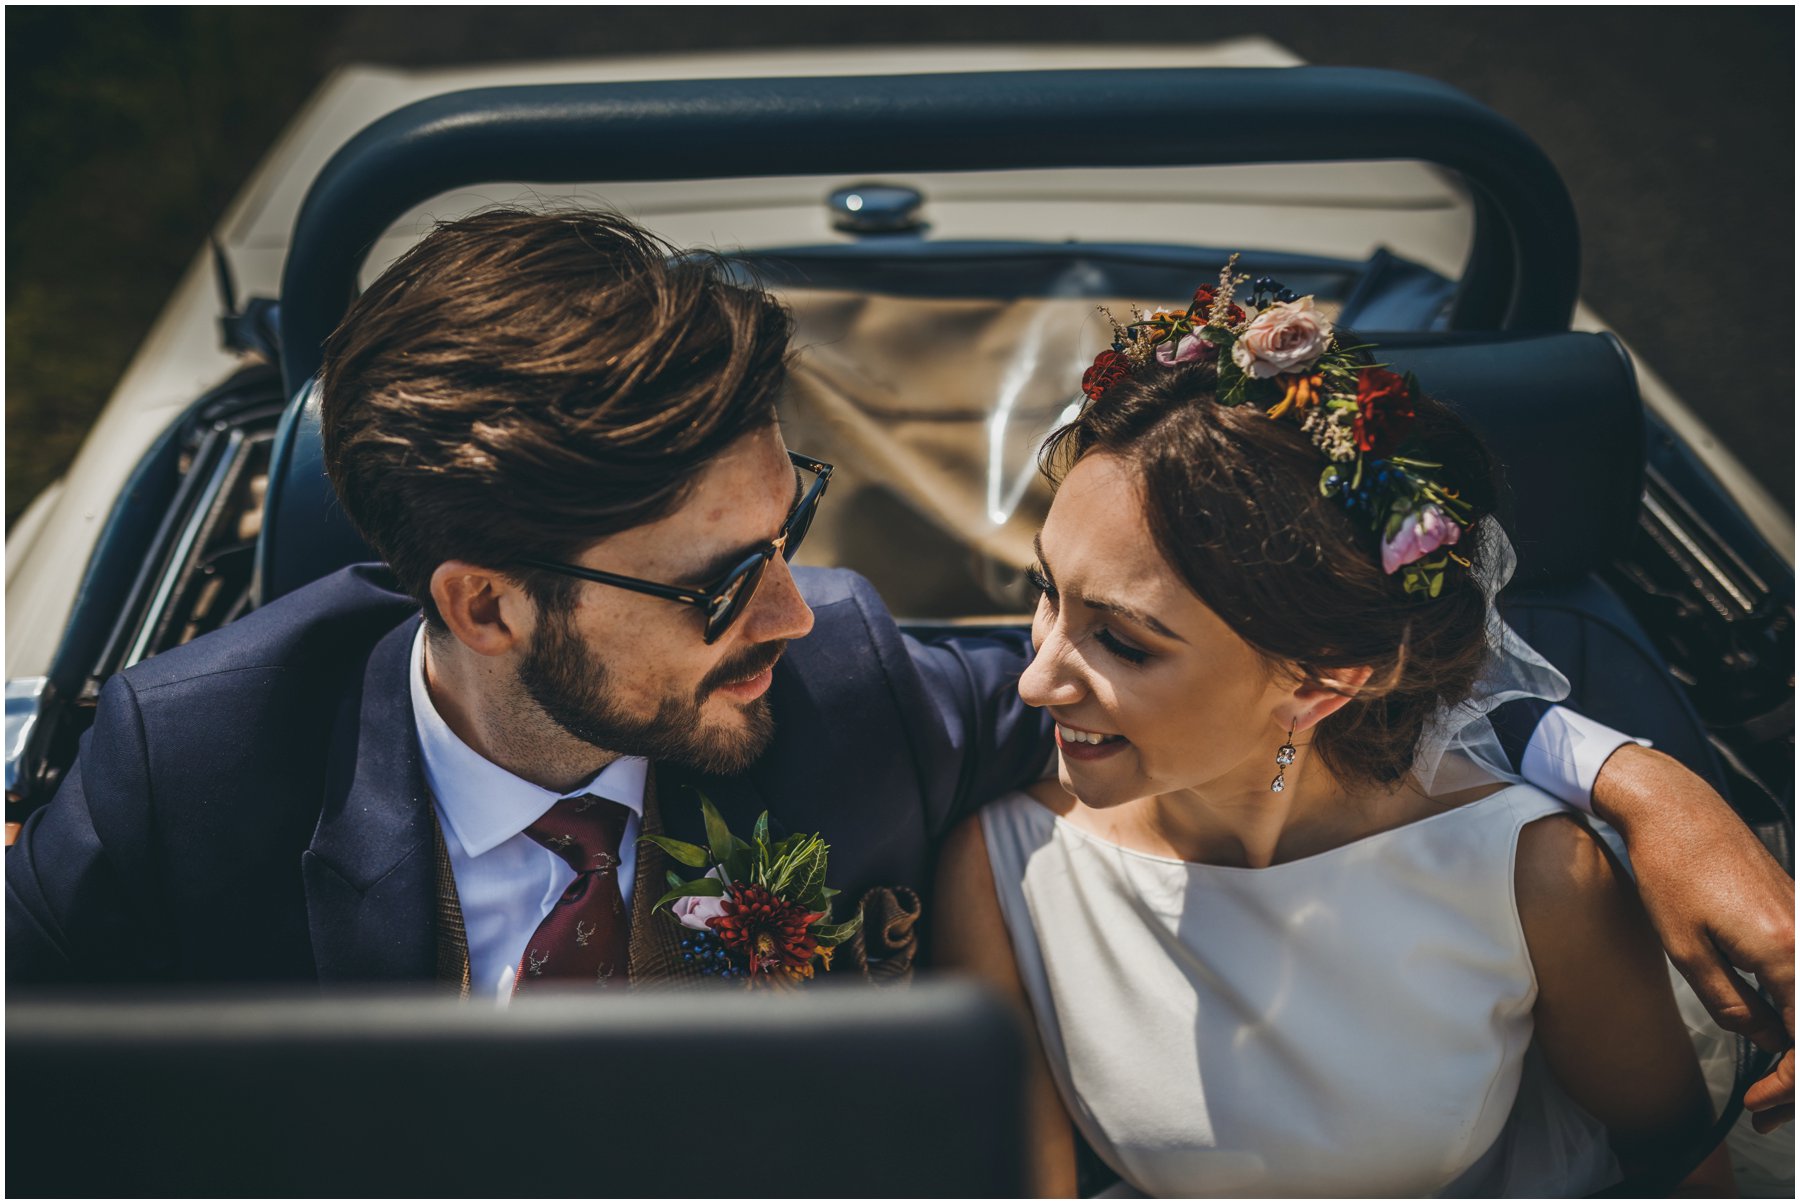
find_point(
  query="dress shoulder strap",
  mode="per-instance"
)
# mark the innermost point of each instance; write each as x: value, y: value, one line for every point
x: 1525, y: 803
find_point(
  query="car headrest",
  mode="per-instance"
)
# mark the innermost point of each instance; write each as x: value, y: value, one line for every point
x: 1560, y: 413
x: 305, y: 533
x: 1562, y: 417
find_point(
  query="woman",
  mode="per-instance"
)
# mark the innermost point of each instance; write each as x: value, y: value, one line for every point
x: 1284, y: 927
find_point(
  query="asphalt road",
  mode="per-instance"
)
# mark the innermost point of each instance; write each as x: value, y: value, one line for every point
x: 1673, y: 127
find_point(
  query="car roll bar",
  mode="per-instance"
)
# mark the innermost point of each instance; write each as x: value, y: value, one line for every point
x: 1522, y: 272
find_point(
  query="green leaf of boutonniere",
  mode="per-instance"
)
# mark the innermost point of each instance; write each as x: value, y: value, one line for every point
x: 810, y: 879
x: 1221, y: 338
x: 718, y: 836
x: 680, y: 850
x: 795, y: 857
x: 710, y: 887
x: 832, y: 934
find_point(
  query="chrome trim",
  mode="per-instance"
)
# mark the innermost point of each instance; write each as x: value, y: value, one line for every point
x: 874, y: 208
x: 224, y: 470
x: 26, y: 699
x: 1678, y: 532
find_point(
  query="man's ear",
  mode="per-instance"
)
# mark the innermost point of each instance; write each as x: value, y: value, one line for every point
x: 1315, y: 701
x: 487, y: 612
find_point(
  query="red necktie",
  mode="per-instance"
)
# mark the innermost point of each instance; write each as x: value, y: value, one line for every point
x: 585, y: 936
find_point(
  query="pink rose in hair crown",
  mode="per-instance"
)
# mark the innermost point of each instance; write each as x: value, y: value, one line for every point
x: 1190, y: 350
x: 1421, y: 533
x: 1286, y: 337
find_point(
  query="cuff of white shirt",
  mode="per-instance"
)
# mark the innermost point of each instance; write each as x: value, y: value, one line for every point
x: 1565, y: 753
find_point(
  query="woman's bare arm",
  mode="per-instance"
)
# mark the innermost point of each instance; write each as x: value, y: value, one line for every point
x: 970, y: 937
x: 1606, y: 1019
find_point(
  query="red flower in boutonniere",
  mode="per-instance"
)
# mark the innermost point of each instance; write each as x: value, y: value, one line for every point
x: 771, y: 932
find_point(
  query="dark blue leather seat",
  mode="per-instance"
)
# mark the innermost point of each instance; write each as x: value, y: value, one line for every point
x: 1561, y: 414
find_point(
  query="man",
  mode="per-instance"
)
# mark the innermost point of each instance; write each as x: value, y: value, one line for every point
x: 550, y: 428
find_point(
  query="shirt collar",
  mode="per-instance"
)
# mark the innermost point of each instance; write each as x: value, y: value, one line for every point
x: 483, y: 805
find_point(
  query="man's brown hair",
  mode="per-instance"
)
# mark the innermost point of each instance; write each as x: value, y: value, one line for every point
x: 522, y: 384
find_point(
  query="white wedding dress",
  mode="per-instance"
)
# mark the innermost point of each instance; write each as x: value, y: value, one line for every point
x: 1354, y: 1023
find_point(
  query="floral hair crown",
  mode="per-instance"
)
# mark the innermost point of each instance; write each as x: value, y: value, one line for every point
x: 1283, y: 354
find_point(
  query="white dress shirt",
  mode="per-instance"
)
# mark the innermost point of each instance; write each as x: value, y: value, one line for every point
x: 506, y: 882
x: 1565, y: 753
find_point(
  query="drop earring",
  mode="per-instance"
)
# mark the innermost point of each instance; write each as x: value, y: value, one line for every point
x: 1284, y: 757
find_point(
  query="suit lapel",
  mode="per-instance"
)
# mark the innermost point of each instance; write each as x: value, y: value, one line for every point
x: 371, y: 872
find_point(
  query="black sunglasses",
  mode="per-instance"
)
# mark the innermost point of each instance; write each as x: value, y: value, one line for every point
x: 724, y: 601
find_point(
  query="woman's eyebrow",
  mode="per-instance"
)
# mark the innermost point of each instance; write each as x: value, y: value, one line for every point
x: 1101, y: 604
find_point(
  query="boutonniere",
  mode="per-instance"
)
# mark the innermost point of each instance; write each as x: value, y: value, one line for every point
x: 761, y: 911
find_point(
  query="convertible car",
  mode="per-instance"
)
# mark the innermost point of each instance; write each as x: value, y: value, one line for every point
x: 943, y: 232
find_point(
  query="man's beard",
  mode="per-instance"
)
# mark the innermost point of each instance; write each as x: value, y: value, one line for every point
x: 564, y: 677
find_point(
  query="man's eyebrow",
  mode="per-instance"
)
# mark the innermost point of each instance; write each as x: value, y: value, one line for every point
x: 1101, y: 604
x: 708, y: 574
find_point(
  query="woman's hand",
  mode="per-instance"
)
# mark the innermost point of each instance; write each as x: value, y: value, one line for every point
x: 1718, y: 901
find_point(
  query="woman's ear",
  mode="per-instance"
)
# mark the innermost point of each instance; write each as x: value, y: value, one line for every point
x: 485, y: 611
x: 1315, y: 700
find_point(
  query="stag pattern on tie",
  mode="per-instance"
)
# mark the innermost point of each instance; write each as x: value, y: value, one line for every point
x: 585, y: 936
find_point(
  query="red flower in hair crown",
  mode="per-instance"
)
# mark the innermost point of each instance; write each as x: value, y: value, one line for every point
x: 1282, y: 353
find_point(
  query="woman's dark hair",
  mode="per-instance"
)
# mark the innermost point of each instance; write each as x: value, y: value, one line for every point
x: 519, y: 385
x: 1233, y: 502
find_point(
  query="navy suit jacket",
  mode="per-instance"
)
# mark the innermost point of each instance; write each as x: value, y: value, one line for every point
x: 251, y: 808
